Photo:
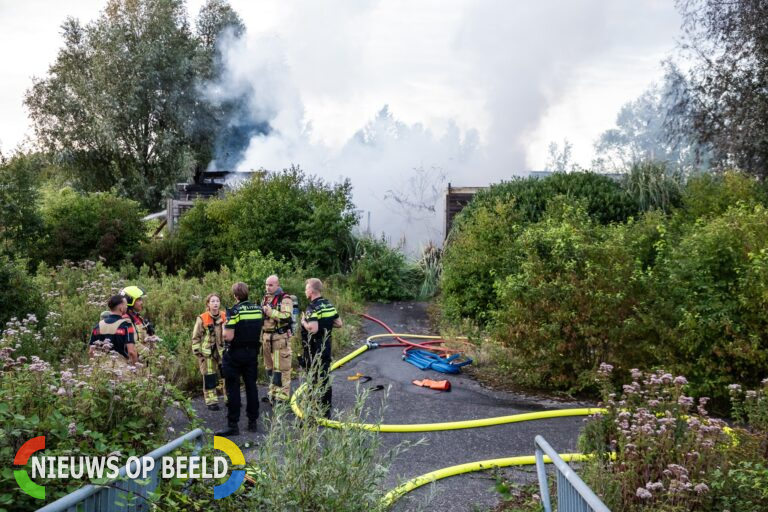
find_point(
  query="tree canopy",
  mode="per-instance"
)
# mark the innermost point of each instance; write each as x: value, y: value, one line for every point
x: 728, y: 93
x: 119, y: 105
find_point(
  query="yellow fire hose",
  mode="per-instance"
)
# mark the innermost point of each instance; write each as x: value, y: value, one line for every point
x: 427, y: 478
x: 433, y: 476
x: 432, y: 427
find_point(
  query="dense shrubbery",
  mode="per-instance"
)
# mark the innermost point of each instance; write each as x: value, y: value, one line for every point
x: 288, y: 214
x: 381, y: 273
x: 20, y: 295
x: 89, y: 226
x: 656, y: 448
x: 481, y: 244
x: 20, y: 220
x: 60, y: 223
x: 572, y: 302
x: 713, y: 284
x: 686, y: 288
x: 81, y: 406
x: 669, y: 453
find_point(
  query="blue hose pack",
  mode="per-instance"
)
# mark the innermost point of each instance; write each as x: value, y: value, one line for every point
x: 424, y: 360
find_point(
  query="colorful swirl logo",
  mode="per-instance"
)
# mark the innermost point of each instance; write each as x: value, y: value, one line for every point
x: 22, y: 477
x: 238, y: 475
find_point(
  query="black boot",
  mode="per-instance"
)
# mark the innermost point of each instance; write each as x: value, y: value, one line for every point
x: 253, y: 425
x: 231, y: 430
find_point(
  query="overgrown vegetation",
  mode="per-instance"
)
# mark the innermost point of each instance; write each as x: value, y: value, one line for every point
x: 288, y: 214
x: 657, y: 448
x: 680, y: 282
x: 302, y: 467
x: 481, y: 244
x: 49, y: 384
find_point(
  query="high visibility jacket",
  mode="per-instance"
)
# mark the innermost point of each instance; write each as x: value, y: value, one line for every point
x: 282, y: 309
x: 207, y: 335
x: 118, y: 330
x: 246, y: 319
x: 143, y: 327
x: 324, y: 313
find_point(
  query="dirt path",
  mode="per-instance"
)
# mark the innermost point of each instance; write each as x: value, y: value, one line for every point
x: 405, y: 403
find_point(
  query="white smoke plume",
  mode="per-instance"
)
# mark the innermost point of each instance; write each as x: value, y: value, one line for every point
x: 404, y: 97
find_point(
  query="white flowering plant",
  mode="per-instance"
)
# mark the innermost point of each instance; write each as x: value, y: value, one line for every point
x: 655, y: 447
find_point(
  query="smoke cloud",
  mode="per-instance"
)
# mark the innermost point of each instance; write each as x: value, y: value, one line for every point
x: 403, y: 98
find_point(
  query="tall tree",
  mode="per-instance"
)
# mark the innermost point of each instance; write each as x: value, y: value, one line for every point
x: 217, y: 129
x: 116, y: 100
x: 215, y: 18
x: 728, y: 98
x: 652, y: 128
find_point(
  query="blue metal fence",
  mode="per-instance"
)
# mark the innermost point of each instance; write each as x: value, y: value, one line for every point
x: 573, y: 495
x: 122, y: 494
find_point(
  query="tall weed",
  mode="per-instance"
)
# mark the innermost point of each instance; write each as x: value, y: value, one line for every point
x: 303, y: 467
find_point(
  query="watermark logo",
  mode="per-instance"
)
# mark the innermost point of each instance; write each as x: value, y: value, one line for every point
x: 238, y: 475
x: 100, y: 467
x: 22, y: 477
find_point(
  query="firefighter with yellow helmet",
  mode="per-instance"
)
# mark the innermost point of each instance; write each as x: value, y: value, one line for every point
x: 145, y: 331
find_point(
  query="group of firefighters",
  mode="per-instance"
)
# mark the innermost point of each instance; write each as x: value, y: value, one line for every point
x: 227, y: 343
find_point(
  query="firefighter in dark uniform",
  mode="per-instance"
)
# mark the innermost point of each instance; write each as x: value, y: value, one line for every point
x: 317, y: 324
x: 117, y: 329
x: 242, y: 340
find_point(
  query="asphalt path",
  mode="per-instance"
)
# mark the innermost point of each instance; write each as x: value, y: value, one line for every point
x: 405, y: 403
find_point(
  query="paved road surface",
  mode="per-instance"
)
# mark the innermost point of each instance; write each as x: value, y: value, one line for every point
x: 467, y: 399
x: 407, y: 403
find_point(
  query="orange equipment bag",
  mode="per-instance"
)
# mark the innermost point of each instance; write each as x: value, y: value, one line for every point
x: 440, y: 385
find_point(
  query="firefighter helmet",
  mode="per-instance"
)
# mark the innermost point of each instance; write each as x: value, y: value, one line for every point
x: 132, y: 293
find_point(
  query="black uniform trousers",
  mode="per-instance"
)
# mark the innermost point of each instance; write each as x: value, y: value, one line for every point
x: 236, y: 363
x: 317, y: 348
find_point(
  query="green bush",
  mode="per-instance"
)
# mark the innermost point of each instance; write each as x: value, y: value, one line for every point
x: 744, y: 486
x: 91, y: 226
x: 479, y: 247
x: 167, y: 253
x: 381, y: 273
x: 709, y: 195
x: 287, y: 214
x: 254, y: 268
x: 20, y: 222
x: 572, y: 303
x: 20, y: 296
x: 712, y: 294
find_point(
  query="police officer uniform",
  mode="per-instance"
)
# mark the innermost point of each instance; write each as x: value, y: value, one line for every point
x: 318, y: 346
x: 240, y: 360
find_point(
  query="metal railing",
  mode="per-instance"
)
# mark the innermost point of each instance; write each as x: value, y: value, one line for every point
x: 573, y: 495
x: 122, y: 494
